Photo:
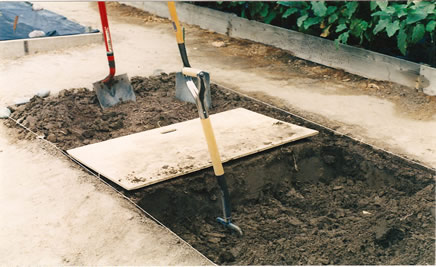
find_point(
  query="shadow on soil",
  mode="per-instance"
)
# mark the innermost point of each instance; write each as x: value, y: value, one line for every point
x: 324, y: 200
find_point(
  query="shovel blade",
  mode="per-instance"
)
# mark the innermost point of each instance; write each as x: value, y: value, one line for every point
x: 184, y: 94
x: 117, y: 90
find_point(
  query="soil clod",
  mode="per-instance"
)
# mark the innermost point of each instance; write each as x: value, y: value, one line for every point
x: 299, y: 204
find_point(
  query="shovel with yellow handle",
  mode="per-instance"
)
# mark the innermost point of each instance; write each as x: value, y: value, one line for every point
x: 182, y: 89
x: 193, y: 86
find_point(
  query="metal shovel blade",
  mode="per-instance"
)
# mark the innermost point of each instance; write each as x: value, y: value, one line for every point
x: 116, y: 90
x: 183, y: 93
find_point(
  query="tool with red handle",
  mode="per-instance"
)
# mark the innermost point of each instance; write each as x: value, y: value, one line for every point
x: 112, y: 89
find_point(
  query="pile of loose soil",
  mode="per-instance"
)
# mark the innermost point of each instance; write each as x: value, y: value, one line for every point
x: 323, y: 200
x: 74, y: 118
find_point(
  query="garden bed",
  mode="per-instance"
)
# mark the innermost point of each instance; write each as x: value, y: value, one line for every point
x: 324, y: 200
x: 355, y: 60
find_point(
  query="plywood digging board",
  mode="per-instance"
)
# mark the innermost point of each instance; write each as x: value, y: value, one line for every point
x: 153, y: 156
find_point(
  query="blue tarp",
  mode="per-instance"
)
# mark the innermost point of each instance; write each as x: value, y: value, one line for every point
x: 29, y: 20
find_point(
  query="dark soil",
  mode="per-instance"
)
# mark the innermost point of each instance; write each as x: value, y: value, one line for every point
x: 323, y: 200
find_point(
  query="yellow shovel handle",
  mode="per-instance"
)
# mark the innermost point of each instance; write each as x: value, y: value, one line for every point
x: 213, y: 148
x: 176, y: 23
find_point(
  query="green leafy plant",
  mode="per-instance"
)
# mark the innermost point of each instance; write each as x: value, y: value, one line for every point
x: 375, y: 24
x: 408, y: 22
x: 337, y: 16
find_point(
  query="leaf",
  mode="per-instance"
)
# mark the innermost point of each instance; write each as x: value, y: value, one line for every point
x: 426, y: 6
x: 289, y: 12
x: 368, y: 35
x: 381, y: 25
x: 272, y: 15
x: 333, y: 18
x: 288, y: 3
x: 326, y: 32
x: 392, y: 28
x: 331, y: 9
x: 401, y: 10
x: 337, y: 43
x: 319, y: 8
x: 402, y: 41
x: 415, y: 15
x: 341, y: 27
x: 351, y: 8
x: 301, y: 19
x: 390, y: 10
x: 311, y: 21
x: 264, y: 11
x: 357, y: 27
x: 382, y: 4
x: 418, y: 33
x: 382, y: 14
x: 373, y: 5
x: 343, y: 38
x: 322, y: 25
x: 430, y: 8
x: 430, y: 26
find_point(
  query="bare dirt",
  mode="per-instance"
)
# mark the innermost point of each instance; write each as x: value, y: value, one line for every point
x: 324, y: 200
x: 74, y: 118
x: 284, y: 65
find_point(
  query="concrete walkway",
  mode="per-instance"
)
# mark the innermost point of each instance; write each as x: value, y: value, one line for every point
x: 53, y: 213
x: 143, y: 47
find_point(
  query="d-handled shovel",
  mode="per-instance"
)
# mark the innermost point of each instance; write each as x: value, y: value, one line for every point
x: 187, y: 90
x: 200, y: 100
x: 182, y: 89
x: 112, y: 89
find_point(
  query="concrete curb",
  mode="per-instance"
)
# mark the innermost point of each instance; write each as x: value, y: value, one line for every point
x: 316, y: 49
x: 17, y: 48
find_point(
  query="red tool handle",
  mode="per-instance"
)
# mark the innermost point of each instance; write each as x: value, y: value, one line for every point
x: 107, y: 38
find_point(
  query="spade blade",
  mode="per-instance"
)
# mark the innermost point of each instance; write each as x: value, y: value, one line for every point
x: 184, y: 94
x: 117, y: 90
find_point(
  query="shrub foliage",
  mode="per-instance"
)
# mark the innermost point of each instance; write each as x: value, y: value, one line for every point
x: 392, y: 27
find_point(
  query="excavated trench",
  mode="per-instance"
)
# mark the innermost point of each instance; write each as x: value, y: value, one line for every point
x: 324, y: 200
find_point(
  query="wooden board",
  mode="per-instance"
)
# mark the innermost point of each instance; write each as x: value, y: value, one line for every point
x: 153, y: 156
